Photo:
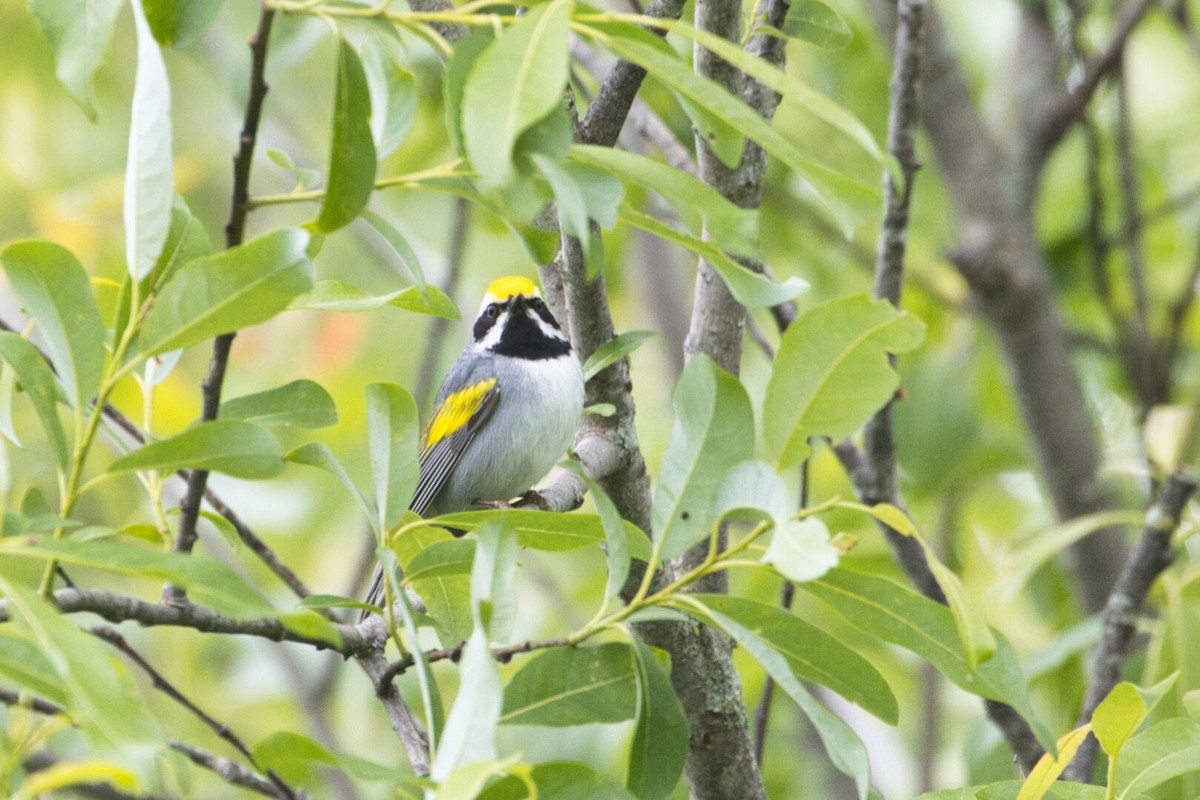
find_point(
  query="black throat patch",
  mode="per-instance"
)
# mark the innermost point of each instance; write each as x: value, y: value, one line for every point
x: 521, y: 336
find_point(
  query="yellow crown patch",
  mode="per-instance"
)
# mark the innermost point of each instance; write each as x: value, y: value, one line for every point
x: 510, y: 286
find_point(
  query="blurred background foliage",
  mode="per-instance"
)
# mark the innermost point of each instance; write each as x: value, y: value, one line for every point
x: 965, y: 463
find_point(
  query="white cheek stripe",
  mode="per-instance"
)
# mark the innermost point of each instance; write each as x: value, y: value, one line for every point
x: 492, y: 337
x: 549, y: 330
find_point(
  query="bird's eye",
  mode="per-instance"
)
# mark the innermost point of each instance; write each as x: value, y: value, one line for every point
x: 537, y: 305
x: 492, y: 311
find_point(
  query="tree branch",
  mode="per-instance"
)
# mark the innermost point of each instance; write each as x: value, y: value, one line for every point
x: 235, y: 230
x: 1152, y: 556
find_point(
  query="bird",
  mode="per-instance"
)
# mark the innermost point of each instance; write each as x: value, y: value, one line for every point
x: 506, y: 412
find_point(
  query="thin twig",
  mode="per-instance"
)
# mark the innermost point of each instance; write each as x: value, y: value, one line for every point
x: 1152, y: 555
x: 1071, y: 104
x: 235, y: 230
x: 114, y: 638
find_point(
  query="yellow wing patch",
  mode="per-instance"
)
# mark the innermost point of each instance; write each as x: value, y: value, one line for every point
x: 456, y: 411
x: 510, y: 286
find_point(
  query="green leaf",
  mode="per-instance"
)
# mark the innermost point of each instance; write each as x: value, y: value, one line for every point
x: 613, y: 351
x: 431, y: 698
x: 393, y: 431
x: 561, y: 780
x: 816, y: 23
x: 393, y: 91
x: 903, y: 617
x: 660, y: 739
x: 79, y: 33
x: 311, y: 625
x: 207, y: 581
x: 399, y: 245
x: 178, y: 23
x: 226, y: 291
x: 1017, y: 567
x: 617, y: 534
x: 293, y: 756
x: 786, y: 84
x: 977, y: 640
x: 800, y: 550
x: 24, y: 663
x: 440, y: 573
x: 186, y: 241
x: 239, y: 449
x: 1158, y: 754
x: 458, y: 69
x: 713, y: 430
x: 812, y: 653
x: 352, y: 161
x: 1123, y: 711
x: 38, y: 382
x: 512, y: 84
x: 572, y: 686
x: 846, y: 751
x: 751, y: 289
x: 470, y: 734
x: 831, y: 373
x: 318, y: 454
x: 149, y: 177
x: 582, y: 194
x: 541, y: 530
x: 493, y: 599
x: 302, y: 403
x: 101, y: 696
x: 847, y: 201
x: 337, y: 295
x: 54, y: 289
x: 734, y: 228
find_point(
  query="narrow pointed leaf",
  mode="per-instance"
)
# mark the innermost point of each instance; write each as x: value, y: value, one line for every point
x: 318, y: 454
x: 227, y: 291
x: 79, y: 32
x: 613, y: 351
x: 816, y: 23
x: 812, y: 653
x: 393, y: 430
x: 660, y: 739
x: 54, y: 289
x: 565, y: 686
x: 734, y: 228
x: 751, y: 289
x: 1123, y: 711
x: 302, y: 403
x: 207, y: 581
x: 335, y: 295
x: 148, y: 168
x: 832, y: 373
x: 846, y: 751
x: 549, y: 532
x: 178, y: 23
x: 903, y: 617
x: 713, y: 430
x: 512, y: 84
x: 1162, y: 752
x: 352, y: 160
x: 101, y: 695
x: 38, y: 382
x: 470, y: 734
x: 393, y: 93
x: 848, y: 201
x: 239, y: 449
